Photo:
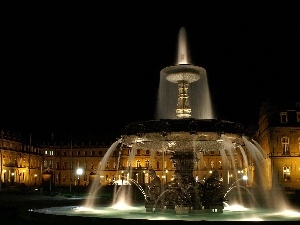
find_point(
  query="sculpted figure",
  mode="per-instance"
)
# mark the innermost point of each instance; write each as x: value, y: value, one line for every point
x: 154, y: 186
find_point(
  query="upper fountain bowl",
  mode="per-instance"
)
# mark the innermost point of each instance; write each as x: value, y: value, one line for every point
x: 182, y: 72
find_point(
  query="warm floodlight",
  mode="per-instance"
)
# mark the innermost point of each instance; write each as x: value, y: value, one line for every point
x: 245, y: 177
x: 79, y: 171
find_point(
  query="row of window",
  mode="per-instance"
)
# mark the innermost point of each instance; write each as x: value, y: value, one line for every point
x: 285, y: 142
x: 100, y: 153
x: 49, y: 164
x: 284, y: 117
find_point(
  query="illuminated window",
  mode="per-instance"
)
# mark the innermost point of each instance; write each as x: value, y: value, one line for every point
x: 283, y: 117
x: 236, y: 164
x: 286, y: 173
x: 147, y: 163
x: 204, y: 164
x: 166, y: 164
x: 146, y: 178
x: 285, y: 145
x: 212, y: 164
x: 138, y: 163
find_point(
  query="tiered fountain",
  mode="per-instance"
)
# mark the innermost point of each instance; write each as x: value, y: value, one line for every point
x: 186, y: 128
x: 184, y: 138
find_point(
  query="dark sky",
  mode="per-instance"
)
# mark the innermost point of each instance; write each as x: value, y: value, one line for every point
x: 71, y: 67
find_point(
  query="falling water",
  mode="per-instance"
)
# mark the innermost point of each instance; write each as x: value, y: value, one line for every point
x: 257, y: 157
x: 89, y: 203
x: 230, y: 149
x: 122, y: 194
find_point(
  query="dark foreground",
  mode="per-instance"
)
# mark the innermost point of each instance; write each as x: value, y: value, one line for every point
x: 15, y: 209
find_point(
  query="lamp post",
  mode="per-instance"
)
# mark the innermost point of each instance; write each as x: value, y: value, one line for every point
x: 79, y: 171
x: 167, y: 176
x: 12, y: 179
x: 35, y: 175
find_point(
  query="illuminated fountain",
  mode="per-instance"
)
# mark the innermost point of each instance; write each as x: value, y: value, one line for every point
x: 186, y: 131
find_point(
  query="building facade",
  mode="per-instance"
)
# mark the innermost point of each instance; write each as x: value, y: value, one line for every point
x: 78, y: 162
x: 279, y: 136
x: 20, y: 162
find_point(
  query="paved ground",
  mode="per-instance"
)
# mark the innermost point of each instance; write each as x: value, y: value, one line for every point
x: 13, y: 206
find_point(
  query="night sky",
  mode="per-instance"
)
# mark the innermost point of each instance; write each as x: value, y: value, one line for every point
x: 93, y: 68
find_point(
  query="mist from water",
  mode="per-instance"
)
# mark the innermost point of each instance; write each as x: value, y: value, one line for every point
x: 199, y: 91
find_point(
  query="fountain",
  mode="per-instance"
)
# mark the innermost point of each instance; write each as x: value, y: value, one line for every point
x: 184, y: 132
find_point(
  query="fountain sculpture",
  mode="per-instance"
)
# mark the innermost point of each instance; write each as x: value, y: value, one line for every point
x: 187, y: 133
x: 183, y: 138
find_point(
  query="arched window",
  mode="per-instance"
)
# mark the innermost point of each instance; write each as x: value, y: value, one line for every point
x: 212, y: 164
x: 147, y: 163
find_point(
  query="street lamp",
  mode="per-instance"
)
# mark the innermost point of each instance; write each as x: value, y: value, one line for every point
x: 35, y: 175
x: 167, y: 176
x: 13, y: 179
x: 79, y: 172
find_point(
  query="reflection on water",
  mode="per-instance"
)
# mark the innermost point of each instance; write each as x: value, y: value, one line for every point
x: 230, y: 213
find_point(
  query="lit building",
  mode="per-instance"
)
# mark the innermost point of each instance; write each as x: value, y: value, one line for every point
x: 20, y: 162
x: 279, y: 136
x: 51, y: 165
